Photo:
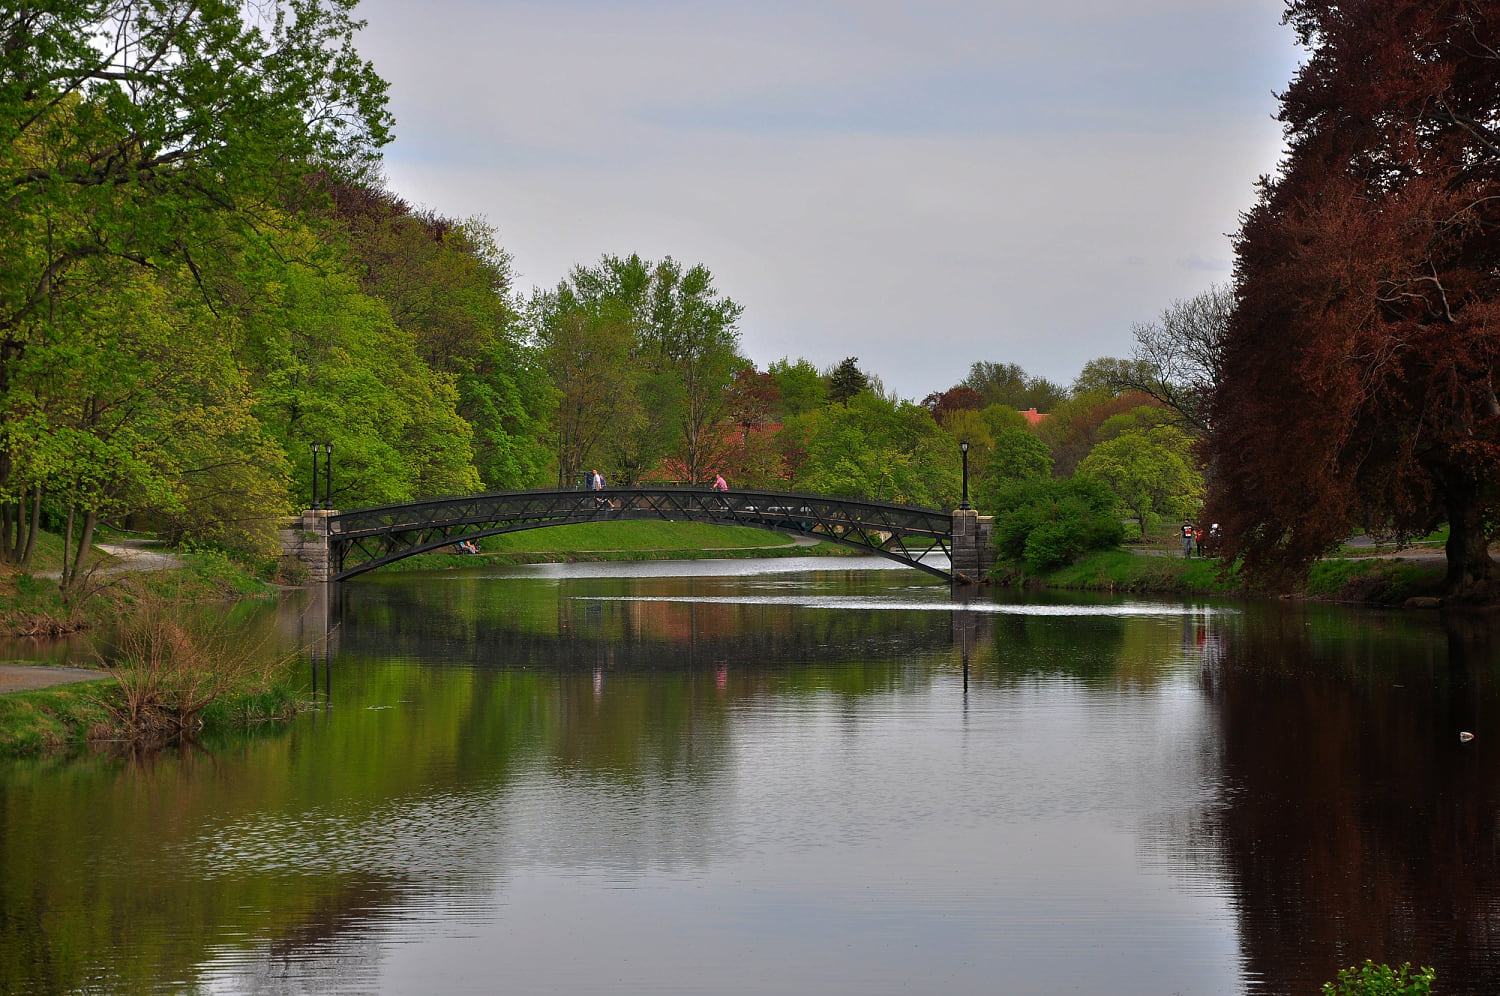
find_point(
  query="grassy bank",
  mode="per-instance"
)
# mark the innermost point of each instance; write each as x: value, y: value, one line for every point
x: 91, y: 713
x: 624, y: 541
x: 32, y: 605
x: 1368, y: 580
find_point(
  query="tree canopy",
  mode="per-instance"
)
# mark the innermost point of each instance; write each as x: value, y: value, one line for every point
x: 1357, y: 375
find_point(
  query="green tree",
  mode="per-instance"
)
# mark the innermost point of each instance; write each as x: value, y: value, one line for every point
x: 693, y: 331
x: 587, y: 352
x: 1108, y: 377
x: 1018, y: 456
x: 447, y: 283
x: 331, y: 364
x: 1049, y: 523
x: 846, y: 381
x: 672, y: 351
x: 876, y: 448
x: 1148, y: 472
x: 138, y: 132
x: 156, y: 137
x: 1007, y: 384
x: 802, y: 387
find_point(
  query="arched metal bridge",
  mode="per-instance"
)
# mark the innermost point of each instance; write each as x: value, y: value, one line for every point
x: 366, y: 539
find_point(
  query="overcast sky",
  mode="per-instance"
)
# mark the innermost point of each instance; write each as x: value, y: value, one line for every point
x: 920, y: 185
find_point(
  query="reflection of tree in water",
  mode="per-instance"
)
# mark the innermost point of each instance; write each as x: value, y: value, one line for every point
x: 1353, y: 823
x: 305, y: 838
x: 331, y: 941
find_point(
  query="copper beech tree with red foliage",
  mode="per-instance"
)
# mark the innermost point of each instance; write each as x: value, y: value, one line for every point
x: 1357, y: 382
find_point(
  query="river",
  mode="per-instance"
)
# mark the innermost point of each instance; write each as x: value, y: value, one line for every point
x: 773, y: 776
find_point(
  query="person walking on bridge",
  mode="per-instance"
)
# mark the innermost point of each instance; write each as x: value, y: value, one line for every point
x: 720, y: 484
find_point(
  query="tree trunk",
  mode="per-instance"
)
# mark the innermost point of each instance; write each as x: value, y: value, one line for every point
x: 20, y: 543
x: 86, y: 540
x: 36, y: 526
x: 1470, y: 569
x: 7, y: 547
x: 67, y: 546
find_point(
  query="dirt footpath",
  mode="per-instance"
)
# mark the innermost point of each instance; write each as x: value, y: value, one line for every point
x: 25, y: 677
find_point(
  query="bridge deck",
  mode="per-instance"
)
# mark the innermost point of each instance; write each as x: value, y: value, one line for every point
x: 366, y: 539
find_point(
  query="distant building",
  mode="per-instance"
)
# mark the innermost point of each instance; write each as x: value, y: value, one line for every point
x: 1033, y: 417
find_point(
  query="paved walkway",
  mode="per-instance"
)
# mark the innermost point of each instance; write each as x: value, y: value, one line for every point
x: 26, y: 677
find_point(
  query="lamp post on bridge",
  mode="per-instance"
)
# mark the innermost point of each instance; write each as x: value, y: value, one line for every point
x: 314, y: 476
x: 327, y: 473
x: 963, y: 447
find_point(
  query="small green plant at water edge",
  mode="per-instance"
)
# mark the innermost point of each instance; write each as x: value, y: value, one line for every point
x: 1371, y: 979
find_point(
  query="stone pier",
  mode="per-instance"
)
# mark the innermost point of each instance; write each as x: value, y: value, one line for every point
x: 304, y: 541
x: 972, y: 555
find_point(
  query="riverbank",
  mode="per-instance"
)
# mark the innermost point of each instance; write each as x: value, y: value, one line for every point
x: 31, y: 605
x: 91, y: 714
x: 1366, y: 580
x: 626, y: 541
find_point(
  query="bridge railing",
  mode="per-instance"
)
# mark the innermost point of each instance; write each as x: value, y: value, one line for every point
x: 376, y: 536
x: 760, y: 505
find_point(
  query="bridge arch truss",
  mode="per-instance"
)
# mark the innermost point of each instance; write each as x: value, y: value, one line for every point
x: 367, y: 539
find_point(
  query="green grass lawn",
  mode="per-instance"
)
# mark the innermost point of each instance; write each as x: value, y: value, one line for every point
x: 1434, y: 540
x: 624, y: 540
x: 595, y: 537
x: 47, y: 553
x: 54, y: 717
x: 1339, y: 579
x: 1122, y: 570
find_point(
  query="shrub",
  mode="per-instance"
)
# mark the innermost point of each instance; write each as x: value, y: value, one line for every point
x: 1371, y: 979
x: 1048, y: 523
x: 173, y: 664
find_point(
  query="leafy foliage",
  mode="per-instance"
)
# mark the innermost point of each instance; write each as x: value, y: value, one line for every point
x: 1048, y: 524
x: 875, y: 448
x: 447, y: 285
x: 1357, y: 384
x: 1147, y: 471
x: 144, y: 147
x: 801, y: 386
x: 1371, y: 979
x: 846, y: 380
x: 642, y: 354
x: 1008, y: 385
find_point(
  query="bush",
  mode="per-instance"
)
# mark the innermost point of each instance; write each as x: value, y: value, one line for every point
x: 1371, y: 979
x: 1049, y: 523
x: 172, y: 664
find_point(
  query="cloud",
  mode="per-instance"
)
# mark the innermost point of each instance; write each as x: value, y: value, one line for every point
x: 918, y: 185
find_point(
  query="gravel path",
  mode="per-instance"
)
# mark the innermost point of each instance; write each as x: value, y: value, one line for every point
x: 133, y: 555
x: 25, y: 677
x: 130, y: 555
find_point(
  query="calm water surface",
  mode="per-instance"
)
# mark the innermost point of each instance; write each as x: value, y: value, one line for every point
x: 775, y: 777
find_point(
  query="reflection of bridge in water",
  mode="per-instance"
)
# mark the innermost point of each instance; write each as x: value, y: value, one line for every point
x: 588, y: 630
x: 923, y: 538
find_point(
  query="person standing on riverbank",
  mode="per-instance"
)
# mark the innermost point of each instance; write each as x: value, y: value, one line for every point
x: 1187, y: 538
